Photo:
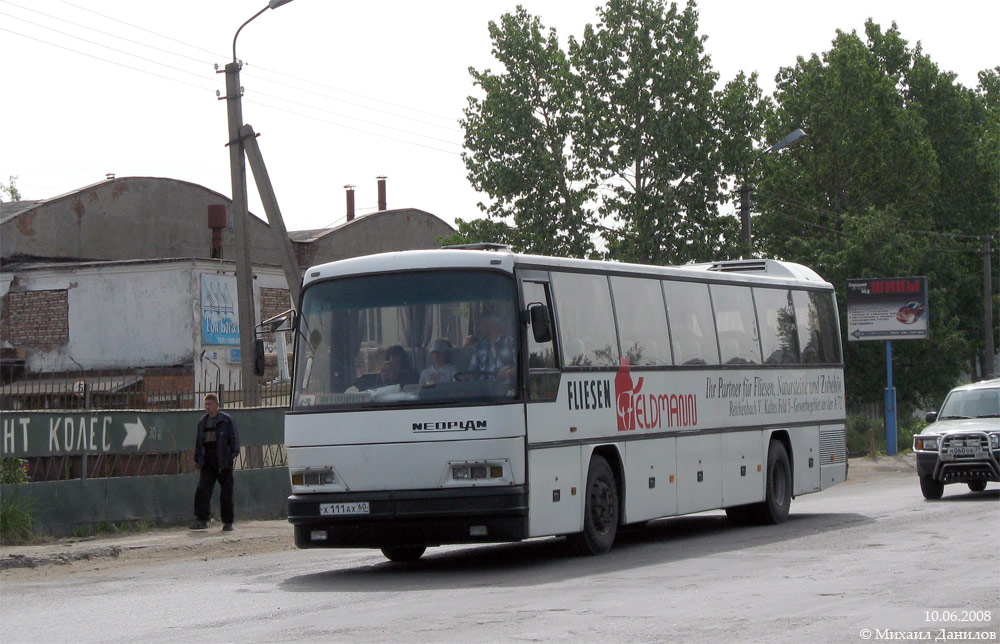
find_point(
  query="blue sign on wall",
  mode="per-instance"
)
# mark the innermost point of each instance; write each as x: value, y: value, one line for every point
x: 219, y: 311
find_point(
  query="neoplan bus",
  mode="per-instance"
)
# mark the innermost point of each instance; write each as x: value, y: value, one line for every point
x: 476, y: 395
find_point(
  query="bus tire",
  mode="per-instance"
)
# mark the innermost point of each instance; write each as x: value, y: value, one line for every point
x: 777, y: 486
x: 403, y: 554
x: 931, y: 489
x: 601, y: 510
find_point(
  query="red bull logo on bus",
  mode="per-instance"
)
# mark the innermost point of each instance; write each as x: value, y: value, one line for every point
x: 643, y: 410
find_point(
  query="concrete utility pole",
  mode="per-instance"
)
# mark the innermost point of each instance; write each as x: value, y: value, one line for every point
x: 241, y: 221
x: 274, y: 219
x: 241, y: 224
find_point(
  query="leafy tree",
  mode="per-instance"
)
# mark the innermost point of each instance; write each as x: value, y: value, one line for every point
x: 13, y: 194
x: 652, y: 132
x: 873, y: 193
x: 519, y: 142
x: 625, y: 135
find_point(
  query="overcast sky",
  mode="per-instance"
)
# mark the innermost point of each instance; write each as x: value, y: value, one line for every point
x: 342, y: 92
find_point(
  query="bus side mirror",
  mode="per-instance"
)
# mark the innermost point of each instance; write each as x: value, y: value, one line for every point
x: 541, y: 323
x: 258, y: 357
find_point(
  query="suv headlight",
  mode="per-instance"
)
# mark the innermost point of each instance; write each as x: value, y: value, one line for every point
x: 925, y: 443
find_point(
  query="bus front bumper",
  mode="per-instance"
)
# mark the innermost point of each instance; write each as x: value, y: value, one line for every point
x: 410, y: 517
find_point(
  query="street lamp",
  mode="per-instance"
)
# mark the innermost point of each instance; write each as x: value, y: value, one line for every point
x: 241, y: 219
x: 746, y: 189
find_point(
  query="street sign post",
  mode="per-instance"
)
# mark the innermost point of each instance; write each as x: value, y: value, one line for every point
x: 888, y: 309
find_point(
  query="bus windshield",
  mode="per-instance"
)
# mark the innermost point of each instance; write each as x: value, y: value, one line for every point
x: 407, y: 338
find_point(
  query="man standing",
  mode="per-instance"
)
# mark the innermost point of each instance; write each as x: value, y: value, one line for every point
x: 215, y: 449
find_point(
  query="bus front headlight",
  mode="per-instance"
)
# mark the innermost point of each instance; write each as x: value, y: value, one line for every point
x: 314, y: 477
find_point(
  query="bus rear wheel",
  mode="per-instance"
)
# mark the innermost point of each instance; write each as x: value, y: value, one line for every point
x: 601, y: 510
x: 778, y: 492
x: 778, y: 500
x: 403, y: 554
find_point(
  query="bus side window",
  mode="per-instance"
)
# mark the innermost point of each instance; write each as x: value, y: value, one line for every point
x: 585, y: 321
x: 779, y: 336
x: 642, y: 320
x: 739, y: 341
x: 692, y: 331
x: 543, y: 368
x: 817, y: 325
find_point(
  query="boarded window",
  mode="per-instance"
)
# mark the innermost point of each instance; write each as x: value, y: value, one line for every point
x: 32, y: 318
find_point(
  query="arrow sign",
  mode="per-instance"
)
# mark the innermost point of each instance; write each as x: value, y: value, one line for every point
x: 135, y: 433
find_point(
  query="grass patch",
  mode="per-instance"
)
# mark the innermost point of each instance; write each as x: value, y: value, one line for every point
x: 110, y: 528
x: 858, y: 427
x: 15, y: 520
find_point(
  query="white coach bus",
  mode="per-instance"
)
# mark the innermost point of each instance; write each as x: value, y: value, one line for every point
x: 476, y: 395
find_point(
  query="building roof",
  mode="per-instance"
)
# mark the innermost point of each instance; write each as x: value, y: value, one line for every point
x: 306, y: 236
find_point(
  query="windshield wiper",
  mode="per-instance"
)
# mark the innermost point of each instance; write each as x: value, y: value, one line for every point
x: 988, y: 416
x: 954, y: 417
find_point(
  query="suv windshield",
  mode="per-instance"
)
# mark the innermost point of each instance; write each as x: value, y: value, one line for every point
x: 407, y: 338
x: 972, y: 403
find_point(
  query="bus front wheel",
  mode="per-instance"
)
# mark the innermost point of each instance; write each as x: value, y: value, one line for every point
x: 403, y: 554
x: 600, y: 514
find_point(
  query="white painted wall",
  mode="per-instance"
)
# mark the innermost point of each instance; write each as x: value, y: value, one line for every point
x: 124, y: 315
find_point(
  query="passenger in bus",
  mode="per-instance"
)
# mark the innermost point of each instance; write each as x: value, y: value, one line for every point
x: 495, y: 351
x: 405, y: 373
x: 441, y: 368
x: 388, y: 374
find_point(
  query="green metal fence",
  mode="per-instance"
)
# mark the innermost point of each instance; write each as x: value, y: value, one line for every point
x: 89, y: 467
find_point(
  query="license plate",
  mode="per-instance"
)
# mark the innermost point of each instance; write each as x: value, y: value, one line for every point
x: 340, y: 509
x: 965, y: 451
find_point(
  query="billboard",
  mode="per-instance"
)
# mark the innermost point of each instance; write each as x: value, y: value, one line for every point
x: 892, y: 308
x: 219, y: 311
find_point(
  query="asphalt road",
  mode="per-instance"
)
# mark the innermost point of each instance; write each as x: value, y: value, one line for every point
x: 868, y: 558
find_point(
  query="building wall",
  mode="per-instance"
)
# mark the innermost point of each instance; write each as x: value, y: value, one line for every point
x: 128, y: 218
x: 123, y: 315
x: 117, y: 316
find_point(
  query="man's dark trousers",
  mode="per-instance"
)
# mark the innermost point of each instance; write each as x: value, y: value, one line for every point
x: 210, y: 473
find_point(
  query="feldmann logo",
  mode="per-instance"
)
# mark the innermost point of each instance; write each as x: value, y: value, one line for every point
x: 637, y: 410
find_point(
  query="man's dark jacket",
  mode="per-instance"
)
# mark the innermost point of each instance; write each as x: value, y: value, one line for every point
x: 227, y: 444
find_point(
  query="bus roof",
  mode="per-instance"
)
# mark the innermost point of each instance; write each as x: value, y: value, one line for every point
x: 735, y: 271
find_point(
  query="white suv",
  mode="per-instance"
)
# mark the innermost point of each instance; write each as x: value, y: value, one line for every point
x: 962, y: 442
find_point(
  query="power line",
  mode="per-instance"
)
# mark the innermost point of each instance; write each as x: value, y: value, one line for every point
x: 104, y: 33
x: 264, y: 69
x: 348, y: 127
x: 374, y: 109
x: 97, y: 44
x: 184, y: 71
x: 149, y: 31
x: 107, y: 60
x: 354, y: 118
